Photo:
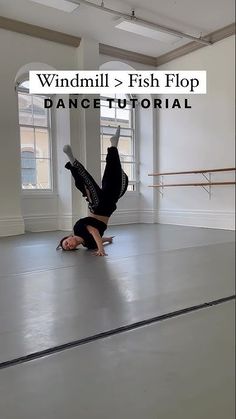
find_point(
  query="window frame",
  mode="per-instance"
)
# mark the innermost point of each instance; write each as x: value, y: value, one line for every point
x: 134, y: 182
x: 36, y: 191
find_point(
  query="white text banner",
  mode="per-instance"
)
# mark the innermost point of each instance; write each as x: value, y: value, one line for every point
x: 107, y: 82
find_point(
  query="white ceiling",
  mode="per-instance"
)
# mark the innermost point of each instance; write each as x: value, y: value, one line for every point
x: 195, y: 17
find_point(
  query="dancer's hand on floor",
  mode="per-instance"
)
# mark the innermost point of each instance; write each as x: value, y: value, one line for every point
x: 99, y: 253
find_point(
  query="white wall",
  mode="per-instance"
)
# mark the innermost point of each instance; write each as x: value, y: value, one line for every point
x: 17, y: 50
x: 126, y: 63
x: 200, y: 138
x: 61, y: 136
x: 147, y: 150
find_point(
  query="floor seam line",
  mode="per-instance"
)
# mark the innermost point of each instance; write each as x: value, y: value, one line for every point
x: 122, y: 329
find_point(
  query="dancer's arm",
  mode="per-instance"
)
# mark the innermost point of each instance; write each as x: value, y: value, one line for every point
x: 98, y: 239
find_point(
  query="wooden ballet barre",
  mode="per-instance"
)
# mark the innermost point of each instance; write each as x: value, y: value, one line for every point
x: 192, y: 184
x: 227, y: 169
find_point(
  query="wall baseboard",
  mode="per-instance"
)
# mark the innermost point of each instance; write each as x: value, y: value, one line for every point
x: 147, y: 216
x: 132, y: 216
x: 53, y: 222
x: 209, y: 219
x: 37, y: 223
x: 11, y: 226
x: 65, y: 222
x: 50, y: 222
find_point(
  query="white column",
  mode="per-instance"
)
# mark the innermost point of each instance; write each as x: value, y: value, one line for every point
x: 11, y: 221
x: 85, y: 124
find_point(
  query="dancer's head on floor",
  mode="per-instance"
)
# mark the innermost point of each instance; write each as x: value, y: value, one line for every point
x: 69, y: 242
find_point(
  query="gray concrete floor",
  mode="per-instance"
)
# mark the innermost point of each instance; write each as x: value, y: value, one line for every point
x: 181, y: 367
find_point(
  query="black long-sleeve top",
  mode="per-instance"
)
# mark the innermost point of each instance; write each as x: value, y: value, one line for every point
x: 80, y: 229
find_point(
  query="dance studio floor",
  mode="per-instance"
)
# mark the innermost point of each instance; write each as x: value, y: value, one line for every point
x: 144, y: 333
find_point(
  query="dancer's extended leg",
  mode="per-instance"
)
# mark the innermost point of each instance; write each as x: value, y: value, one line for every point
x: 115, y: 181
x: 115, y: 138
x: 68, y: 151
x: 83, y: 180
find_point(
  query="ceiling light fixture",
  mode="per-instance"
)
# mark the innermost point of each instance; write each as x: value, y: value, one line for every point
x: 64, y: 5
x: 145, y: 30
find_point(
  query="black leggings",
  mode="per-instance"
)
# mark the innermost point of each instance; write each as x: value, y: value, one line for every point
x: 102, y: 201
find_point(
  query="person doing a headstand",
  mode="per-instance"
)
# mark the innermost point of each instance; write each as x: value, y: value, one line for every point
x: 102, y: 201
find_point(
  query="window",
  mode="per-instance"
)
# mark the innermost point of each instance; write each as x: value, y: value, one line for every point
x: 35, y: 139
x: 28, y: 168
x: 110, y: 118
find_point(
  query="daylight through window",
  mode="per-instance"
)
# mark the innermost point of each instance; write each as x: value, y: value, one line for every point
x: 35, y: 139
